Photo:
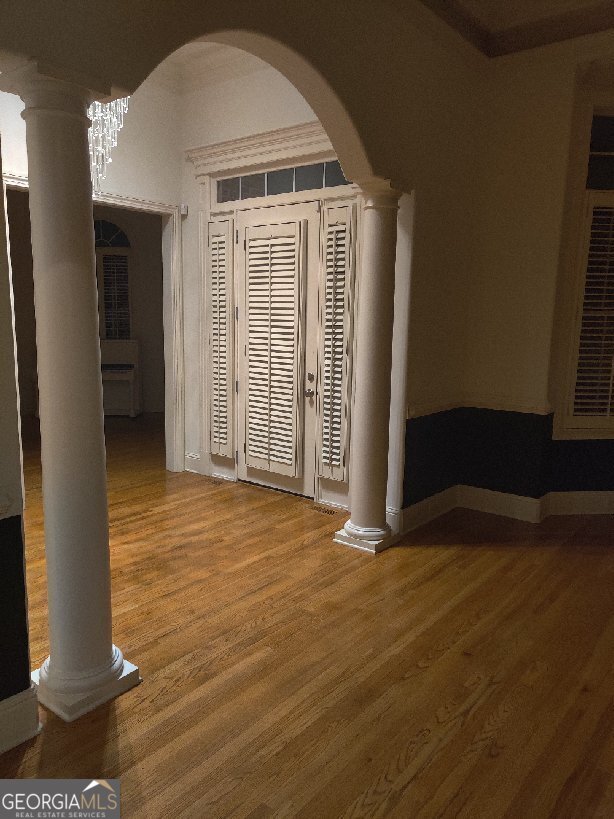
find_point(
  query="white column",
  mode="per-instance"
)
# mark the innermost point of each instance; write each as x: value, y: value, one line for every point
x: 367, y: 528
x: 84, y: 668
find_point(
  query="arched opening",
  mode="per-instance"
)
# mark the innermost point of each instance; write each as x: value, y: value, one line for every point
x: 276, y: 218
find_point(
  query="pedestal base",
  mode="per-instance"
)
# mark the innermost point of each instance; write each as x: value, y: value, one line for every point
x: 367, y: 540
x: 72, y: 706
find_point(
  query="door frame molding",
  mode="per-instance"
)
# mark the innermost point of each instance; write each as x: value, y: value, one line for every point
x: 279, y: 148
x: 172, y: 283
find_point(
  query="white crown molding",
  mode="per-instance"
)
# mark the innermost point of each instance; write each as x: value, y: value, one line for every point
x: 299, y: 143
x: 15, y: 181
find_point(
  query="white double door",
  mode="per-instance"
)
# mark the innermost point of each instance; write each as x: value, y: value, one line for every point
x: 290, y: 337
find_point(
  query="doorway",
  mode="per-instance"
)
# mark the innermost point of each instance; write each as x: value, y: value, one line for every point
x: 279, y: 284
x: 277, y: 332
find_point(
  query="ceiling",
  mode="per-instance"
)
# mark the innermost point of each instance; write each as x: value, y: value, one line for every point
x: 499, y: 27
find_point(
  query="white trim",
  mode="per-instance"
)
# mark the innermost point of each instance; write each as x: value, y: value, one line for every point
x: 517, y: 507
x: 71, y: 706
x: 578, y: 503
x: 172, y: 263
x: 590, y: 101
x: 427, y: 510
x: 490, y: 402
x: 15, y: 181
x: 268, y: 149
x: 400, y: 350
x: 19, y: 719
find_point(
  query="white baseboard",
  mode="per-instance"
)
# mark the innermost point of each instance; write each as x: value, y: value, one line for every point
x: 394, y: 519
x: 518, y: 507
x: 427, y: 510
x: 192, y: 462
x: 578, y: 503
x: 18, y: 719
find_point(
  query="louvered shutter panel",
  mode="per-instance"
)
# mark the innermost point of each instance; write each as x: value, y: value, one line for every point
x: 219, y: 279
x: 273, y: 331
x: 593, y: 393
x: 116, y: 290
x: 336, y: 333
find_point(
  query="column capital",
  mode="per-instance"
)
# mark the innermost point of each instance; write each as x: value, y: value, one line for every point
x: 46, y: 88
x: 378, y: 193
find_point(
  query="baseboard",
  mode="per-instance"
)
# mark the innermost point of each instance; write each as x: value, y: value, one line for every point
x: 192, y: 462
x: 18, y: 719
x: 394, y: 519
x: 578, y: 503
x: 427, y: 510
x: 518, y: 507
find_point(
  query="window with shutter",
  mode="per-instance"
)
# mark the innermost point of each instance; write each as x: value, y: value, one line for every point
x: 116, y: 296
x: 219, y: 279
x: 273, y: 331
x: 335, y: 322
x: 593, y: 396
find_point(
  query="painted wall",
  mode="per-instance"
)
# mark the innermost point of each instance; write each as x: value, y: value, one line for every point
x: 147, y: 160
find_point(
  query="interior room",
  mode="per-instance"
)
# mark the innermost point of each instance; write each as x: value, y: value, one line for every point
x: 306, y: 437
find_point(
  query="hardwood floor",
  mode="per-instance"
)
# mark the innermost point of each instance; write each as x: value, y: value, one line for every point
x: 468, y: 672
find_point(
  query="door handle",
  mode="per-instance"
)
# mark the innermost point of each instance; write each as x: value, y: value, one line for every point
x: 309, y: 393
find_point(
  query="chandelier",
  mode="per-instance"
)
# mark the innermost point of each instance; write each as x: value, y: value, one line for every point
x: 107, y: 121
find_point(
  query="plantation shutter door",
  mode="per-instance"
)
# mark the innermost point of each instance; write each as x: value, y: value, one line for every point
x: 593, y: 394
x: 336, y: 339
x: 219, y: 279
x: 274, y: 347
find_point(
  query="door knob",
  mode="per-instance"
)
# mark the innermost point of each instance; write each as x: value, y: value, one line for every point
x: 309, y: 393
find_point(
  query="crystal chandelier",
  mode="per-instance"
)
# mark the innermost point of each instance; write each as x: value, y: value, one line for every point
x: 107, y: 121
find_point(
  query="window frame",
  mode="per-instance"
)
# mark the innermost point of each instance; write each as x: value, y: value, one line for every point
x: 575, y: 236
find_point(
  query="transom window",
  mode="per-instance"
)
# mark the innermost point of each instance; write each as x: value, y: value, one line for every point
x: 286, y: 180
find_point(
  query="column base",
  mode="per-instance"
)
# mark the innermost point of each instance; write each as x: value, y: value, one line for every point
x: 366, y: 539
x: 70, y: 705
x: 18, y: 719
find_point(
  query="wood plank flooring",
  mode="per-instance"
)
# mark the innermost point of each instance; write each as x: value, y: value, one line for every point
x: 468, y: 672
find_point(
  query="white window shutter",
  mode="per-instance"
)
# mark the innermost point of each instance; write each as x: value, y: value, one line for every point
x: 220, y: 314
x: 594, y: 384
x: 336, y: 284
x: 116, y: 295
x: 274, y: 347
